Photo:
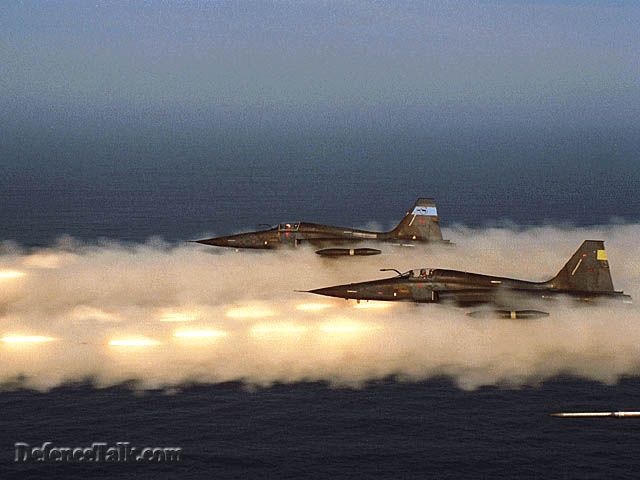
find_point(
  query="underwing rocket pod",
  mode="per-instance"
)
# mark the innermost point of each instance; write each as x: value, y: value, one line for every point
x: 349, y: 252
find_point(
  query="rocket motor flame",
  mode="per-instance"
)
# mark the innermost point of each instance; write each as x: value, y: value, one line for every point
x: 11, y: 274
x: 26, y: 339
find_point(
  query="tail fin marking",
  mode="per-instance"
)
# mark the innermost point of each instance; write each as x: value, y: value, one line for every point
x: 587, y: 270
x: 421, y: 223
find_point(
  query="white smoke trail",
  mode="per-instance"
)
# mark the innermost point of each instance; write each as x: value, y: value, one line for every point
x: 165, y: 315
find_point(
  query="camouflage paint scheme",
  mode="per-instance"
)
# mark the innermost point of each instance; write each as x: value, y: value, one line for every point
x: 420, y: 225
x: 585, y: 277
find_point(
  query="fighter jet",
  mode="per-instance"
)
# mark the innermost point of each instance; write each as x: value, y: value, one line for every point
x: 420, y: 225
x: 585, y: 277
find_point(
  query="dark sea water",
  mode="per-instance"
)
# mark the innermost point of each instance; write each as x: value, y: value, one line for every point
x: 178, y: 188
x: 387, y: 429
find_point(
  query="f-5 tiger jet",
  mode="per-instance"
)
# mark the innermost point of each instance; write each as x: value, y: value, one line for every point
x: 419, y: 225
x: 585, y: 277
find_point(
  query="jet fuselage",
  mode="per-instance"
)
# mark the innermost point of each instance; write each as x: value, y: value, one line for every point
x: 419, y: 225
x: 456, y: 287
x: 296, y: 234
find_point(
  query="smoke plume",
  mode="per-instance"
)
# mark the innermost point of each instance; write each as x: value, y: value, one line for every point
x: 165, y: 315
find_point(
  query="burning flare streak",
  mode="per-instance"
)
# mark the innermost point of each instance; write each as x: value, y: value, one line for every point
x: 11, y: 274
x: 18, y: 339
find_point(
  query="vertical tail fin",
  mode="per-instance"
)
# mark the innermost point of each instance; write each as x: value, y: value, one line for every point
x: 587, y: 270
x: 421, y: 223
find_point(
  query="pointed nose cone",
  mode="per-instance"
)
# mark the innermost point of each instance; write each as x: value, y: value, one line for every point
x: 216, y: 242
x: 339, y: 291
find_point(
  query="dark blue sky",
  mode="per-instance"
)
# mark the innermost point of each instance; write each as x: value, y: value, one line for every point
x: 326, y: 64
x: 501, y: 109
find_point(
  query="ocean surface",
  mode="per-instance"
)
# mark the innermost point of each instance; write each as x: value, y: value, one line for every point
x: 385, y: 429
x: 177, y: 188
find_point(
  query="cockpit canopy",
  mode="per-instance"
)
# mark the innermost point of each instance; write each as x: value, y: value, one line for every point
x: 288, y: 227
x: 420, y: 273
